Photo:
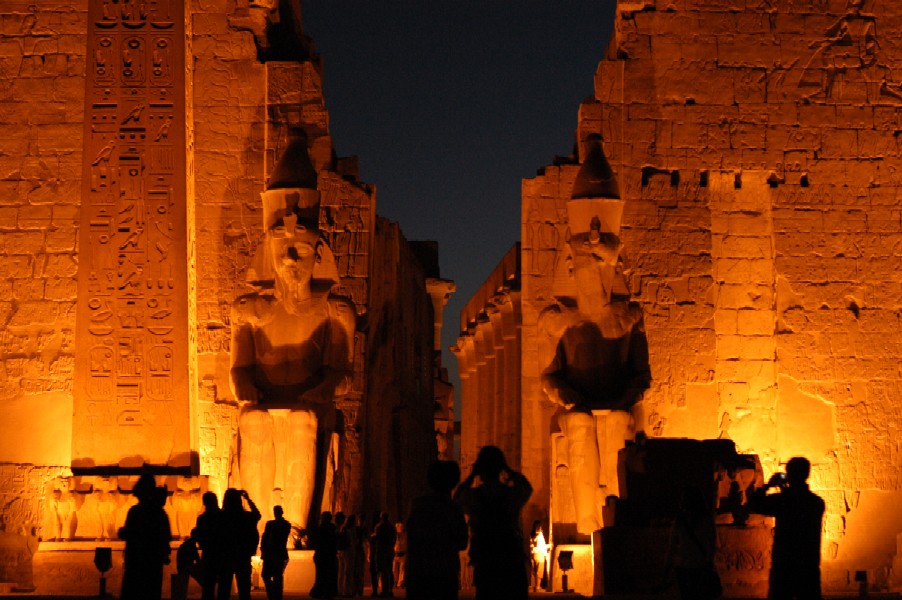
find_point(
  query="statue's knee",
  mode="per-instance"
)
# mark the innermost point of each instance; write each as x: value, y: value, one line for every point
x: 303, y: 420
x: 578, y: 425
x: 255, y: 425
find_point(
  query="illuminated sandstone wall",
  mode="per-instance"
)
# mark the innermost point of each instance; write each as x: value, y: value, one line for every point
x: 756, y: 147
x: 247, y: 84
x: 42, y: 66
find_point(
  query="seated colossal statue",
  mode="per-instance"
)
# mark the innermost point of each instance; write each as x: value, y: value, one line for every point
x: 291, y: 352
x: 599, y: 366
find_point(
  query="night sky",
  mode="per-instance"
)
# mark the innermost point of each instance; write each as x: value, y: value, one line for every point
x: 450, y: 104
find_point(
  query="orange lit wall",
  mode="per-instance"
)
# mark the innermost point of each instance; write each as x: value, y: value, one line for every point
x: 240, y: 96
x: 756, y: 146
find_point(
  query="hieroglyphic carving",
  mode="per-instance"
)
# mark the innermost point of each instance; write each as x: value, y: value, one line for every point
x: 131, y: 395
x: 849, y: 49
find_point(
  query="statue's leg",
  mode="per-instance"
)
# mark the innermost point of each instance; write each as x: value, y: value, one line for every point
x: 613, y: 427
x: 300, y: 472
x: 256, y: 459
x: 582, y: 448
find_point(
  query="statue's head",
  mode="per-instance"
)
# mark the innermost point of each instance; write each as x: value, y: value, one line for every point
x: 293, y: 244
x: 293, y: 249
x: 594, y: 248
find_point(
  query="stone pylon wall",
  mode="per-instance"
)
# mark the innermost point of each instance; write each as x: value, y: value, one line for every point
x: 756, y: 146
x: 42, y: 66
x: 238, y: 110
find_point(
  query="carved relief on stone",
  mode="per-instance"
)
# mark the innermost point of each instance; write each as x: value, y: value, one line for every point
x: 850, y: 51
x: 133, y: 277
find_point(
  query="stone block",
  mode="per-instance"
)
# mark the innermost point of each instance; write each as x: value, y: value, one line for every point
x: 840, y: 143
x: 818, y: 115
x: 210, y: 24
x: 34, y: 216
x: 17, y: 243
x: 745, y: 296
x: 745, y: 223
x: 726, y: 322
x: 794, y: 137
x: 17, y: 267
x: 222, y: 83
x: 68, y: 90
x: 8, y: 216
x: 749, y: 86
x: 59, y: 265
x: 61, y: 289
x: 877, y: 144
x: 742, y: 347
x: 61, y: 239
x: 59, y: 137
x: 755, y: 322
x: 34, y: 312
x: 239, y: 46
x: 798, y: 220
x: 692, y: 316
x: 733, y: 246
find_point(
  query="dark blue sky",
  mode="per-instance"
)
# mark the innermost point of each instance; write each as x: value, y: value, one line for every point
x: 450, y: 104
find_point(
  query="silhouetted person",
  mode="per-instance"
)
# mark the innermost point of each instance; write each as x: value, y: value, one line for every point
x: 538, y: 553
x: 274, y: 552
x: 147, y: 535
x: 436, y: 533
x: 342, y: 545
x: 371, y: 556
x: 350, y: 576
x: 325, y: 559
x: 187, y: 565
x: 240, y: 536
x: 694, y: 543
x: 384, y: 537
x: 799, y: 513
x: 208, y: 531
x: 493, y: 496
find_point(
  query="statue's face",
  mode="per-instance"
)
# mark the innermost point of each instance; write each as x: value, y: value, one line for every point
x: 292, y: 250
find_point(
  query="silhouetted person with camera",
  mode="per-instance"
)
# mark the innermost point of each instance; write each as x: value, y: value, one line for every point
x: 493, y: 496
x: 436, y: 533
x: 384, y: 538
x: 208, y: 532
x: 799, y: 514
x: 240, y: 536
x: 147, y: 535
x: 325, y: 559
x: 274, y: 552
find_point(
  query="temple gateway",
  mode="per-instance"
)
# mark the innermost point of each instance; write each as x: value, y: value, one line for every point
x: 198, y: 286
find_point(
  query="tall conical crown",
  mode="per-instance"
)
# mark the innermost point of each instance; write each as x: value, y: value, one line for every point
x: 596, y: 177
x: 294, y: 169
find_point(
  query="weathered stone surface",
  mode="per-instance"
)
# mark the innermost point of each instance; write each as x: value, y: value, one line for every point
x: 756, y: 146
x: 205, y: 147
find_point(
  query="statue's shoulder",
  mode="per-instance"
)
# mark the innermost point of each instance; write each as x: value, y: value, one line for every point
x: 253, y: 308
x: 342, y: 310
x: 556, y: 318
x: 635, y: 312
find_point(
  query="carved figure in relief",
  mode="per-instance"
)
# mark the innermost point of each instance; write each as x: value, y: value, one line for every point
x: 291, y: 350
x: 599, y: 367
x: 851, y: 45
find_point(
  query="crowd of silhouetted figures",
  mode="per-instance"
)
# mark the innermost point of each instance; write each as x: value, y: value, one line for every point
x: 480, y: 514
